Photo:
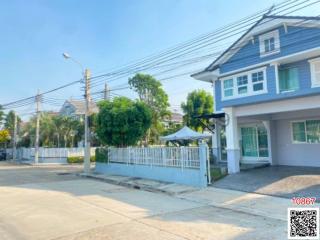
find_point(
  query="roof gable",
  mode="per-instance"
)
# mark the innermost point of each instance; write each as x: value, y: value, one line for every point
x: 263, y: 25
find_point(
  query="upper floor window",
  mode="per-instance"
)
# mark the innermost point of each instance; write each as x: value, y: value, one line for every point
x: 244, y: 84
x: 269, y: 43
x: 258, y: 81
x: 288, y: 79
x: 228, y: 87
x: 315, y: 72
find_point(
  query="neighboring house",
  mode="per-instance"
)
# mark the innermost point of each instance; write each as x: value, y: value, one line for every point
x: 76, y: 108
x: 175, y: 119
x: 268, y: 85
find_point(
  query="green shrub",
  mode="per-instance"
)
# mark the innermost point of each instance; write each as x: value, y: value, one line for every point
x: 102, y: 155
x: 217, y: 174
x: 79, y: 159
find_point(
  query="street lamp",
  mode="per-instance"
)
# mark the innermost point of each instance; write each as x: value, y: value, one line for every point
x: 85, y: 74
x: 67, y: 56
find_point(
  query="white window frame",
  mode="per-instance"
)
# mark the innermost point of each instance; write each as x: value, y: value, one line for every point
x: 250, y: 91
x: 305, y: 131
x: 243, y: 85
x: 233, y: 87
x: 314, y: 82
x: 273, y: 34
x: 278, y: 81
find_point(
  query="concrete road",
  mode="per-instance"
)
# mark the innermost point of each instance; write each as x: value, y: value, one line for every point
x: 46, y: 203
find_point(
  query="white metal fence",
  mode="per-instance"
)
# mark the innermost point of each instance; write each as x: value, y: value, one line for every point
x: 182, y: 157
x: 28, y: 153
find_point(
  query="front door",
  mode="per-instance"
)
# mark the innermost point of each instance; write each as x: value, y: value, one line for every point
x: 254, y: 143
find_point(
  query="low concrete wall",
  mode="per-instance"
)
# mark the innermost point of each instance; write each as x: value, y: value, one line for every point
x: 192, y: 177
x: 53, y: 160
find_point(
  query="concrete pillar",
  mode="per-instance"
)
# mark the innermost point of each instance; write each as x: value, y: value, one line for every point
x: 216, y: 145
x: 267, y: 125
x: 203, y: 154
x: 233, y: 150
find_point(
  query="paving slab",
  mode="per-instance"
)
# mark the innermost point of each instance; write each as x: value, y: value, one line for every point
x: 280, y: 181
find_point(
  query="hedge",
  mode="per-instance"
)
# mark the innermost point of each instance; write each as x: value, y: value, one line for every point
x: 79, y: 159
x: 102, y: 154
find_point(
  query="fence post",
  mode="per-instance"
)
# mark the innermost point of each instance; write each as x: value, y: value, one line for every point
x: 203, y: 148
x: 128, y: 152
x: 163, y: 156
x: 181, y: 157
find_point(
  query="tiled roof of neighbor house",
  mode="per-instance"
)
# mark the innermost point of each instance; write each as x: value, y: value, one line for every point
x: 79, y: 105
x: 175, y: 117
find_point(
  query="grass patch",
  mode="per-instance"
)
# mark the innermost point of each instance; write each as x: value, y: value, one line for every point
x: 217, y: 174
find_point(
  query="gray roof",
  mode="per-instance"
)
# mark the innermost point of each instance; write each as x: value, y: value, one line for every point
x: 79, y: 106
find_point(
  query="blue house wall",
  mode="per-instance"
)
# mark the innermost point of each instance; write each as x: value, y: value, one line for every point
x: 296, y: 39
x: 272, y: 95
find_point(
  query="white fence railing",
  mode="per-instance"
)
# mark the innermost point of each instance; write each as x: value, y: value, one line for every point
x: 28, y: 153
x: 182, y: 157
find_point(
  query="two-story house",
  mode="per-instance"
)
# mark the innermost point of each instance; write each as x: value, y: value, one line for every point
x: 267, y: 84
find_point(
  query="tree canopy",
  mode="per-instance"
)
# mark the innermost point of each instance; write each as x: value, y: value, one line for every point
x: 55, y: 131
x: 150, y: 92
x: 1, y: 115
x: 4, y: 136
x: 122, y: 122
x: 198, y: 102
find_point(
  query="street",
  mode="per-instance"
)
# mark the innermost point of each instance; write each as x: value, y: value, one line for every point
x: 49, y: 203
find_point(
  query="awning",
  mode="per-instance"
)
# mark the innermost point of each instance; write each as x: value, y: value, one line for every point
x: 185, y: 134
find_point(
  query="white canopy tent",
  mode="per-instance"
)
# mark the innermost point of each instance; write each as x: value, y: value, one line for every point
x: 185, y: 133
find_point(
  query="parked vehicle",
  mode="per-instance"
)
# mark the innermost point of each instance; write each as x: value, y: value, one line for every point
x: 3, y: 154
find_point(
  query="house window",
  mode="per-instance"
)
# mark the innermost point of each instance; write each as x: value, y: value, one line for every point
x: 242, y: 83
x: 269, y: 43
x: 228, y: 87
x: 257, y: 81
x: 288, y: 79
x: 306, y: 131
x: 315, y: 72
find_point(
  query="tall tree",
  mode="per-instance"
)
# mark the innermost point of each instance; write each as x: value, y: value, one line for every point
x: 1, y: 115
x: 122, y: 122
x: 150, y: 91
x: 9, y: 124
x: 55, y: 131
x: 198, y: 102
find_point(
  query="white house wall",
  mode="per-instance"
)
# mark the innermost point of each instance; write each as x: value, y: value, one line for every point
x: 288, y: 153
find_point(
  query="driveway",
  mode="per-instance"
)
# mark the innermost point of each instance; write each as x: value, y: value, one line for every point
x: 282, y: 181
x: 49, y: 203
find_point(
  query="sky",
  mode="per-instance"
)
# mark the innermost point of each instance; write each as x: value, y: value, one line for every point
x: 103, y: 35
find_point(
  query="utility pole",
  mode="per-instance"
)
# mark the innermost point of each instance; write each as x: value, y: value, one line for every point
x: 106, y: 92
x: 86, y: 122
x: 36, y: 147
x: 14, y: 153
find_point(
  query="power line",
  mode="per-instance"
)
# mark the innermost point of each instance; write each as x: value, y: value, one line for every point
x: 221, y: 36
x: 205, y: 36
x: 154, y: 61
